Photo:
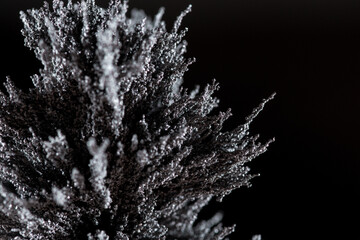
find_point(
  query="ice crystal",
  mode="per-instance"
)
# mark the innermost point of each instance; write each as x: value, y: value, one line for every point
x: 108, y: 145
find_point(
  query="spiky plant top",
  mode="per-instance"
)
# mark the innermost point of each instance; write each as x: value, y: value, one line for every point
x: 108, y: 145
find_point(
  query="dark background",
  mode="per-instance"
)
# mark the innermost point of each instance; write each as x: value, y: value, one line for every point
x: 305, y: 50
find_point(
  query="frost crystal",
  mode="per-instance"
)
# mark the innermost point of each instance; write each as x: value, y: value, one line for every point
x: 108, y: 145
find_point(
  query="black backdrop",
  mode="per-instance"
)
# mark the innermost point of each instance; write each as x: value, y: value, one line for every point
x: 305, y: 50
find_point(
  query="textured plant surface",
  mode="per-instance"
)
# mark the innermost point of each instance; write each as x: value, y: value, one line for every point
x: 108, y: 145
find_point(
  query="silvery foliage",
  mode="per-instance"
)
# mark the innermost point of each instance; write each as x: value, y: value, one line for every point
x: 108, y: 145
